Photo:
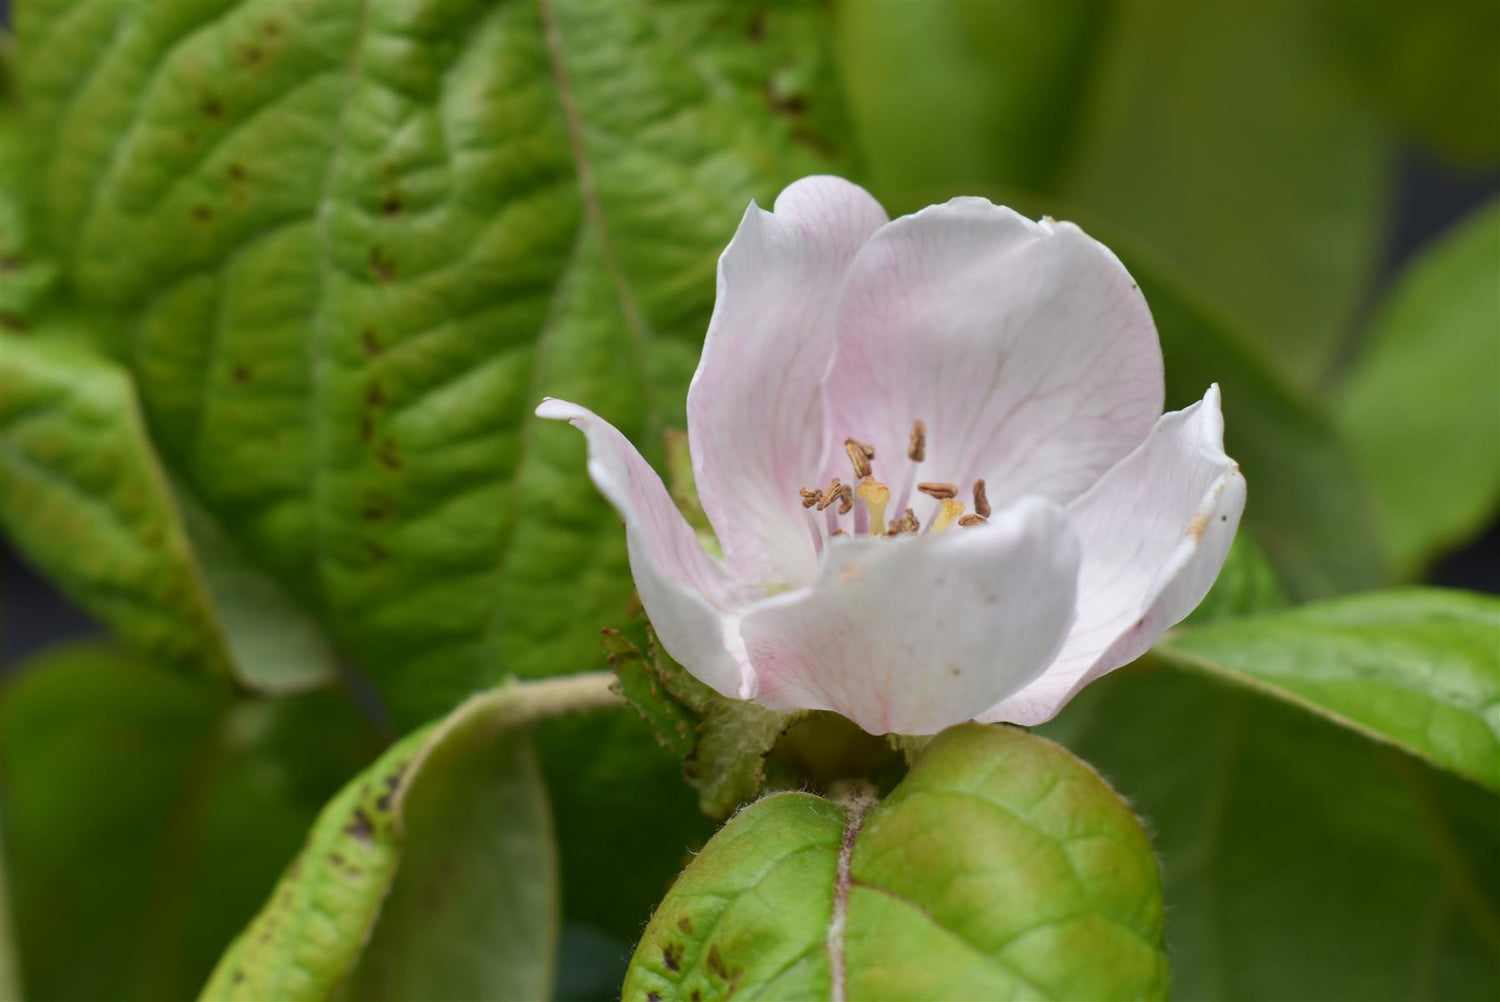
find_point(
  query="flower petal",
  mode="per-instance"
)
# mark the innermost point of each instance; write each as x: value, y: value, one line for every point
x: 914, y: 634
x: 1025, y: 348
x: 686, y: 593
x: 1155, y: 530
x: 756, y: 420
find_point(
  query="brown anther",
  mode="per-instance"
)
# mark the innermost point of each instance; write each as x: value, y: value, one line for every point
x: 907, y: 523
x: 809, y: 497
x: 859, y: 456
x: 981, y: 503
x: 838, y: 532
x: 969, y: 521
x: 939, y: 491
x: 832, y: 494
x: 917, y: 450
x: 846, y: 496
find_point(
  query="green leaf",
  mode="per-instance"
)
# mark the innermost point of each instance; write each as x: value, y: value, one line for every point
x: 1428, y: 65
x: 1001, y: 867
x: 10, y: 968
x: 1224, y: 138
x: 1419, y: 402
x: 1300, y: 860
x: 84, y: 498
x: 146, y: 812
x: 1417, y: 667
x: 364, y: 240
x: 431, y: 875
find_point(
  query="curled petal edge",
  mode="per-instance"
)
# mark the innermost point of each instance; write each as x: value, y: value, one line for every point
x: 686, y: 593
x: 1116, y: 624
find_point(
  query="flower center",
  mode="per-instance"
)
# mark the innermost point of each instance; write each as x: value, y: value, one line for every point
x: 869, y: 501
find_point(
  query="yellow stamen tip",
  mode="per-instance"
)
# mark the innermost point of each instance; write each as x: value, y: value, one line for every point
x: 951, y: 509
x: 876, y: 496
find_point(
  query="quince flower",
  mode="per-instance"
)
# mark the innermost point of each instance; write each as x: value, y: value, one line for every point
x: 933, y: 452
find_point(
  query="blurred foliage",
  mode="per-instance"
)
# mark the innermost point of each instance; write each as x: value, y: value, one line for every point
x: 147, y: 815
x: 280, y: 284
x: 1420, y: 402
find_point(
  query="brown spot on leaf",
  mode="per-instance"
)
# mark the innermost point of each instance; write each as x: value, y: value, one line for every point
x: 671, y: 957
x: 360, y: 827
x: 392, y: 205
x: 374, y: 396
x: 755, y: 30
x: 12, y: 322
x: 696, y: 996
x: 11, y: 263
x: 377, y: 552
x: 783, y: 103
x: 389, y: 457
x: 240, y: 374
x: 376, y: 509
x: 271, y: 29
x: 382, y: 265
x: 203, y: 214
x: 686, y: 925
x: 370, y: 341
x: 236, y: 172
x: 653, y: 997
x: 212, y: 107
x: 252, y: 55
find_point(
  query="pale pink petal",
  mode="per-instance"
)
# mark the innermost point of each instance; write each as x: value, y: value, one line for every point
x: 1025, y: 348
x: 1155, y: 531
x: 686, y: 593
x: 916, y: 633
x: 756, y: 422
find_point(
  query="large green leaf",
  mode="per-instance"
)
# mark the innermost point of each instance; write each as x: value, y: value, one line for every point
x: 145, y: 813
x: 1223, y: 137
x: 83, y: 496
x: 352, y: 245
x: 1416, y: 667
x: 1001, y: 867
x: 1301, y: 861
x: 1419, y: 402
x: 431, y: 875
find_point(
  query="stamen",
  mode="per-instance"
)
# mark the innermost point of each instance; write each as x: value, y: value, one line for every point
x: 846, y: 499
x: 876, y: 496
x: 906, y: 524
x: 951, y: 509
x: 832, y: 494
x: 860, y: 455
x: 810, y: 498
x: 917, y: 450
x: 970, y: 521
x: 838, y: 532
x: 981, y: 502
x: 937, y: 490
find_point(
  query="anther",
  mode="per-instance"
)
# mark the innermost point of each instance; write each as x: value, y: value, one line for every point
x: 937, y: 490
x: 876, y: 496
x: 809, y: 497
x: 838, y: 532
x: 846, y: 499
x: 970, y: 521
x: 860, y: 455
x: 951, y: 509
x: 832, y: 494
x: 917, y: 450
x: 906, y: 524
x: 981, y: 502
